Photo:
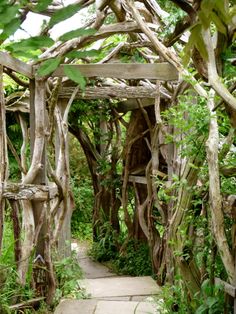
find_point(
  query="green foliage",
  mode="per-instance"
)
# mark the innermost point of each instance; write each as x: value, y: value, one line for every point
x: 68, y: 272
x: 228, y: 185
x: 30, y: 47
x: 48, y: 66
x: 10, y: 291
x: 10, y: 29
x: 9, y: 19
x: 75, y: 75
x: 190, y: 120
x: 211, y: 299
x: 81, y: 224
x: 63, y: 14
x: 104, y: 249
x: 229, y: 71
x: 42, y: 5
x: 135, y: 261
x: 213, y: 14
x: 175, y: 299
x: 196, y: 40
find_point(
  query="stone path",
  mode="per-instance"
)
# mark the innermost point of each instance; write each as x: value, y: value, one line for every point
x: 109, y: 293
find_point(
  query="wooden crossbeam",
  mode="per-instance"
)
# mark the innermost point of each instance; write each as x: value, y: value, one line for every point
x: 110, y: 92
x: 18, y: 191
x: 138, y: 179
x: 16, y: 65
x: 132, y: 104
x: 229, y: 289
x: 156, y: 71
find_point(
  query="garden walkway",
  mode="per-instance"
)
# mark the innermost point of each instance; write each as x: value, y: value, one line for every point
x: 109, y: 293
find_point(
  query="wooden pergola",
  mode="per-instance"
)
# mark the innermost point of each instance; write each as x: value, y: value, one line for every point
x: 46, y: 205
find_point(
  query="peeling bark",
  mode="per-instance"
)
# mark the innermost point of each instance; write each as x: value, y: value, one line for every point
x: 215, y: 194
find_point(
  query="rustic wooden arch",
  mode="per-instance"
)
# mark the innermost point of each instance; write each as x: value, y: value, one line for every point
x: 46, y: 206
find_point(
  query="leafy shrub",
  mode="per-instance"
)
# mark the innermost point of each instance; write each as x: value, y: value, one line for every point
x: 211, y: 299
x: 10, y: 291
x: 105, y: 249
x: 135, y: 261
x: 81, y: 222
x: 174, y: 299
x: 68, y: 272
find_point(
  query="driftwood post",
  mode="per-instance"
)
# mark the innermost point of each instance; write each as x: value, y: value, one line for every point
x: 37, y: 111
x: 3, y: 154
x: 63, y: 228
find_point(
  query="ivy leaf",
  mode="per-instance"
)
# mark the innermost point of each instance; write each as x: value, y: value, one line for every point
x: 42, y: 5
x: 8, y: 14
x: 82, y: 54
x: 48, y: 66
x: 32, y: 43
x: 10, y: 28
x: 64, y: 14
x: 78, y: 33
x: 75, y: 75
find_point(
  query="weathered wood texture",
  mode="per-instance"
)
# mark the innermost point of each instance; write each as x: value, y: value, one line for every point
x: 132, y: 104
x: 142, y: 179
x: 18, y: 191
x: 26, y: 304
x: 108, y: 92
x: 137, y: 179
x: 156, y: 71
x: 16, y: 65
x: 229, y: 289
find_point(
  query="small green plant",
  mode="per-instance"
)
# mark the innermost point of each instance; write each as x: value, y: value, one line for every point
x: 105, y: 248
x: 133, y: 260
x: 68, y: 272
x: 174, y: 299
x: 211, y: 299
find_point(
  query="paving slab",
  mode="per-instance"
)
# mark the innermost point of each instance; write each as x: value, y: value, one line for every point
x: 81, y: 248
x: 93, y: 269
x: 123, y: 307
x: 76, y: 307
x: 120, y: 286
x: 105, y: 307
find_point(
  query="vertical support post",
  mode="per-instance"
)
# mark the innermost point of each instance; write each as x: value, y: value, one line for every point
x: 64, y: 239
x: 3, y: 153
x: 37, y: 94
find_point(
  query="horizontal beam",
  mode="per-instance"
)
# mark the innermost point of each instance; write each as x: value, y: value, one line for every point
x: 110, y: 92
x: 138, y: 179
x: 142, y: 179
x: 155, y: 71
x: 132, y: 104
x: 16, y: 65
x: 26, y: 304
x: 18, y: 191
x: 229, y: 289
